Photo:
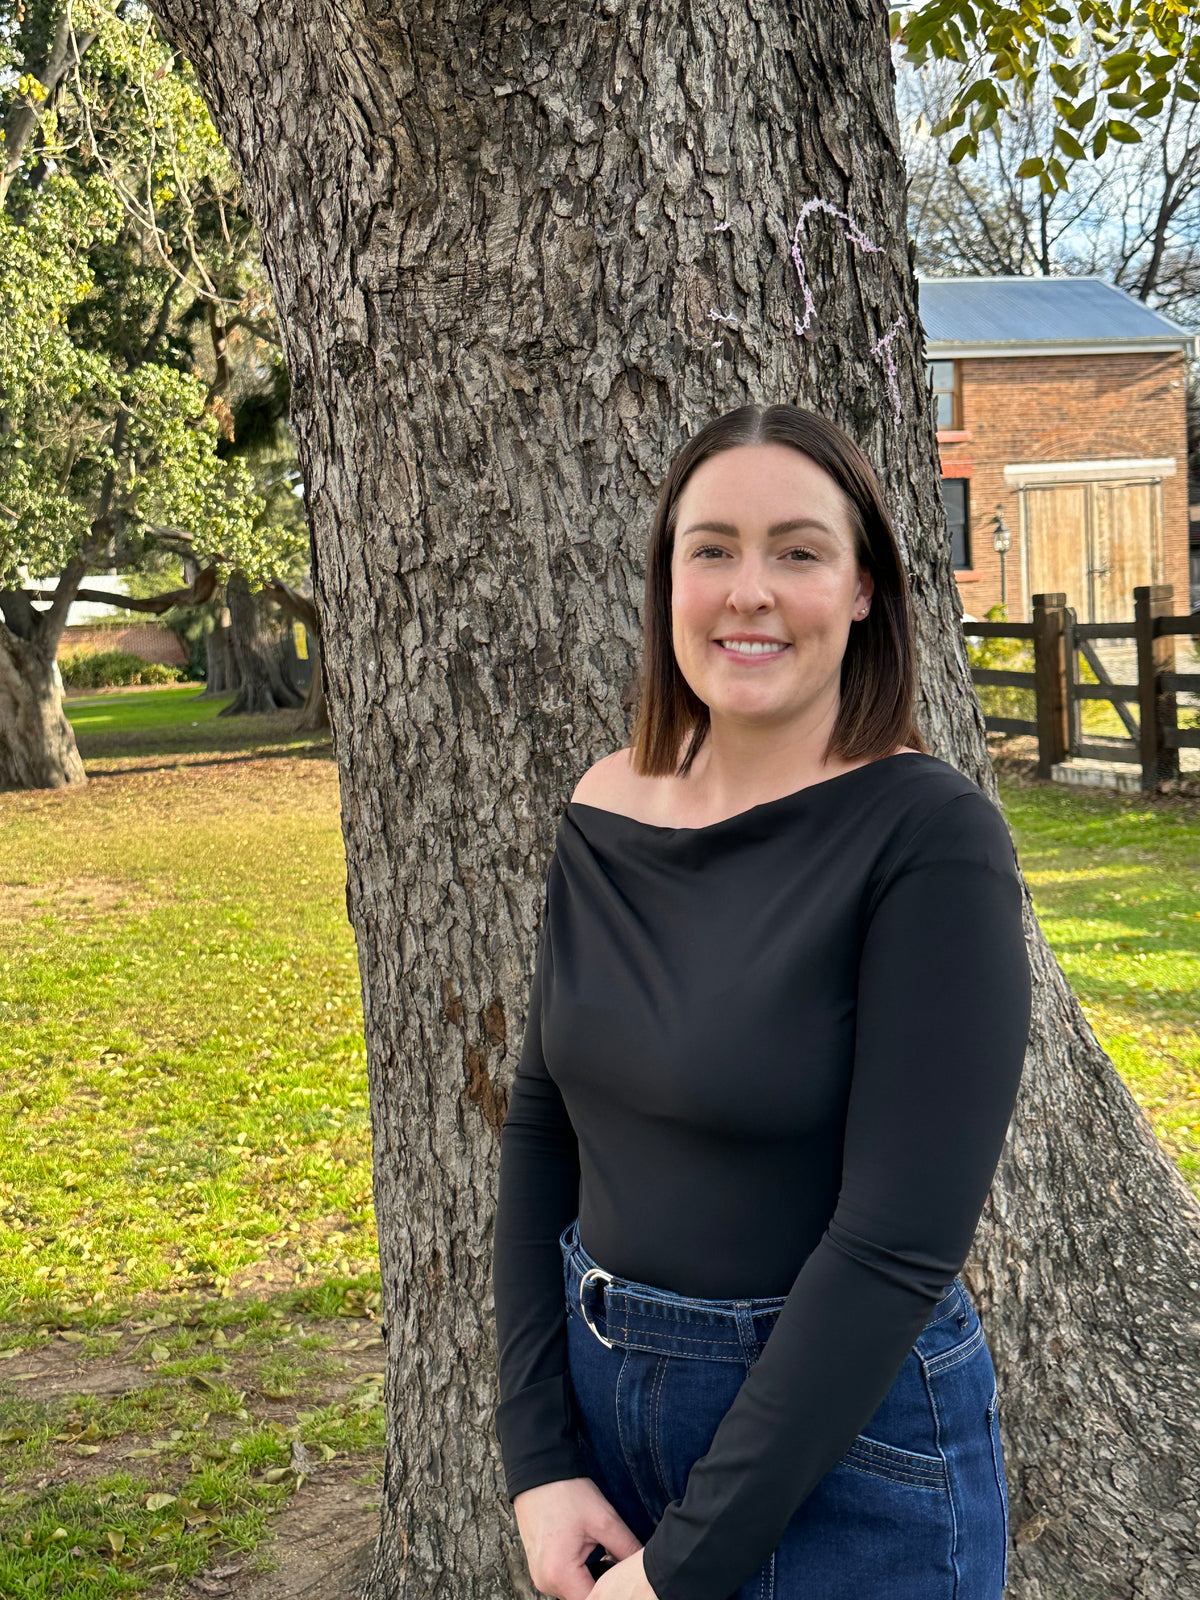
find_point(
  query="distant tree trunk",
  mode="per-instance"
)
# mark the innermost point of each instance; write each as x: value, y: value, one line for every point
x: 263, y: 686
x: 515, y: 263
x: 37, y: 742
x: 314, y: 717
x: 220, y: 676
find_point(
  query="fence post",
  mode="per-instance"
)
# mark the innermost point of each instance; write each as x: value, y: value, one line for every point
x: 1156, y: 707
x: 1050, y: 679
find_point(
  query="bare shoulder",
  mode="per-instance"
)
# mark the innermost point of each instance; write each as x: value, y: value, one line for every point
x: 607, y: 782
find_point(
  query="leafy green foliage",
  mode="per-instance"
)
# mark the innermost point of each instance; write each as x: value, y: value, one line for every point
x: 124, y: 247
x: 100, y: 669
x: 1004, y: 655
x: 1103, y: 57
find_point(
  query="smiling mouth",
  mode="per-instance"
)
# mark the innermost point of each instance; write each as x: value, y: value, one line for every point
x: 751, y: 651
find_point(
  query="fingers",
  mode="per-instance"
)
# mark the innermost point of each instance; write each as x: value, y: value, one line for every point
x: 561, y: 1524
x: 616, y: 1537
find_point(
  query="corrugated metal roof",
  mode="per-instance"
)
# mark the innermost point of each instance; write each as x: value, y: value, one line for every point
x: 1032, y: 310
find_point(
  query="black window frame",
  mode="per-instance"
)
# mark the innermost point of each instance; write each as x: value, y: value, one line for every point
x: 958, y: 520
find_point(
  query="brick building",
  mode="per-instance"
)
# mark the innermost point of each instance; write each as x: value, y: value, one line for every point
x: 153, y: 641
x: 1060, y: 405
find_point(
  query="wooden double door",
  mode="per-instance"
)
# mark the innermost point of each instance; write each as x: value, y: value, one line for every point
x: 1094, y: 542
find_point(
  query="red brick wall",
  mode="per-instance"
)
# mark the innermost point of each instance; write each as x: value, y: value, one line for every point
x: 150, y: 640
x: 1063, y: 408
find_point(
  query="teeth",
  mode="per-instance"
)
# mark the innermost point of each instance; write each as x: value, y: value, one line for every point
x: 745, y: 647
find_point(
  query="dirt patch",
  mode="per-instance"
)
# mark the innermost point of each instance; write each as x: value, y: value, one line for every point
x: 323, y: 1544
x: 320, y: 1374
x: 76, y: 898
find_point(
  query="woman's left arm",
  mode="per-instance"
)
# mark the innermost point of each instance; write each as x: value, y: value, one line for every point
x: 942, y: 1026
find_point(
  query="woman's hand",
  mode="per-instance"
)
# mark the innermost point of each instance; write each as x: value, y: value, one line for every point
x: 626, y: 1581
x: 560, y: 1524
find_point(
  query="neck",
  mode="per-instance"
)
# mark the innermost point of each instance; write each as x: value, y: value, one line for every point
x: 741, y: 764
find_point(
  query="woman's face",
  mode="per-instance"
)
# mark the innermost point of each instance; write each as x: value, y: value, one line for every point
x: 764, y: 550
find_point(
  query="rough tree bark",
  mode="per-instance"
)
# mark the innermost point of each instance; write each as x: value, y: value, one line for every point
x: 505, y: 249
x: 263, y: 686
x: 220, y: 670
x: 37, y: 742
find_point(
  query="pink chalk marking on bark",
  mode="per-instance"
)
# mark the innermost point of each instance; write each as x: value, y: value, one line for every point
x: 719, y: 316
x: 882, y: 348
x: 853, y: 232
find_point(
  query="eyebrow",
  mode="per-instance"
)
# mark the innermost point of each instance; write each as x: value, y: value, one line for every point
x: 773, y: 531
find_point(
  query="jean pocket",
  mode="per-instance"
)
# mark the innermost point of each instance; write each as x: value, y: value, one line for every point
x: 882, y: 1460
x: 993, y: 1418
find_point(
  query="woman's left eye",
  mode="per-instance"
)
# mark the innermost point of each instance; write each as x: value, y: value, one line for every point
x: 800, y: 552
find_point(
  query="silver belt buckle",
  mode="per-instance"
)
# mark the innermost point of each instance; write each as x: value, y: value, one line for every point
x: 593, y: 1272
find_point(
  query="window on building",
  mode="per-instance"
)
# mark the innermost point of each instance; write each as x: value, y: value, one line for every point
x: 943, y: 379
x: 956, y: 497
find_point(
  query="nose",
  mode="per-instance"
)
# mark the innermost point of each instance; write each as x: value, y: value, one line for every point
x: 749, y: 588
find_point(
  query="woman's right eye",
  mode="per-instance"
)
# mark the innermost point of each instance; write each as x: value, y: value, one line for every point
x: 702, y: 548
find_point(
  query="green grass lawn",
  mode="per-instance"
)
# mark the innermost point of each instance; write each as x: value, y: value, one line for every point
x: 184, y: 1093
x: 1115, y: 880
x: 185, y: 1184
x: 122, y: 711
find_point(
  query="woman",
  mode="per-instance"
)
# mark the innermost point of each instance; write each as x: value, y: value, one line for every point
x: 776, y: 1029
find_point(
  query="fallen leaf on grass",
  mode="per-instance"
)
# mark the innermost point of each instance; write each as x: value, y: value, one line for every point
x: 198, y: 1380
x: 156, y: 1502
x: 116, y: 1541
x: 159, y: 1353
x: 88, y: 1449
x: 7, y: 1355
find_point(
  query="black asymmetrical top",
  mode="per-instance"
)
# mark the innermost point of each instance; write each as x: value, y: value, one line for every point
x: 777, y: 1055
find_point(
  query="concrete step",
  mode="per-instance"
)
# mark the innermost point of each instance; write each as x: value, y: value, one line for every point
x: 1093, y: 774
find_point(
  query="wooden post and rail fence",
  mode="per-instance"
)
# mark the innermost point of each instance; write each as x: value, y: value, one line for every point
x: 1154, y: 739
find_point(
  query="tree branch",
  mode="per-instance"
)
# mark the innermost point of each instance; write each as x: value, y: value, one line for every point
x: 195, y: 594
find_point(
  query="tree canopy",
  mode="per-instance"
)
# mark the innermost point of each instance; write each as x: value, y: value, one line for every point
x: 1112, y: 65
x: 132, y: 310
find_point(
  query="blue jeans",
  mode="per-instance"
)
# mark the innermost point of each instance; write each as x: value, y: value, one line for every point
x: 916, y: 1509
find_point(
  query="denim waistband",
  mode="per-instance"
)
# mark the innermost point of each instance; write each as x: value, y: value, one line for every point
x: 639, y: 1316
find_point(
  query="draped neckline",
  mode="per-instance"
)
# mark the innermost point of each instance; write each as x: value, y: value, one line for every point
x: 765, y: 808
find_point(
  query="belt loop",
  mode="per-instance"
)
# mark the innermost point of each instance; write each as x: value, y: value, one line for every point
x: 747, y: 1332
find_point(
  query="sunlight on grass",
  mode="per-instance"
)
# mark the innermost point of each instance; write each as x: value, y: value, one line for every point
x: 1116, y: 886
x: 183, y: 1087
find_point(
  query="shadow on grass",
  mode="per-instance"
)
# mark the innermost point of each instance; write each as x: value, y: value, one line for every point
x: 161, y: 726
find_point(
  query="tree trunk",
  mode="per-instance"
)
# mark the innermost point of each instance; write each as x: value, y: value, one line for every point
x: 263, y: 686
x: 515, y: 264
x: 37, y: 741
x: 314, y: 717
x: 220, y: 668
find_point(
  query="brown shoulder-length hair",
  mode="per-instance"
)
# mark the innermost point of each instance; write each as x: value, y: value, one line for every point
x: 878, y: 681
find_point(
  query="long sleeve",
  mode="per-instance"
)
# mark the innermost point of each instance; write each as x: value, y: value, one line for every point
x: 538, y: 1197
x: 941, y: 1028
